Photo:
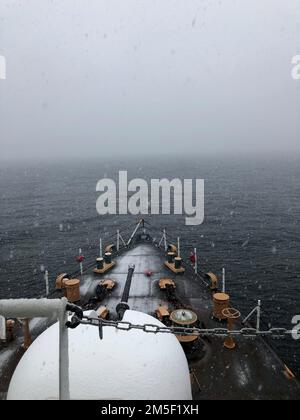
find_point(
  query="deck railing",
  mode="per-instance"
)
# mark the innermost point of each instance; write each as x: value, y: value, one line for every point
x: 45, y: 308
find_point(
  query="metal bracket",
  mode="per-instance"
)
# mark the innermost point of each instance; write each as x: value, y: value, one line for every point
x: 257, y: 310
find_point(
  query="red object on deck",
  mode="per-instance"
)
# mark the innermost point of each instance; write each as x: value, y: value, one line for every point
x: 193, y: 258
x: 148, y: 273
x: 79, y: 258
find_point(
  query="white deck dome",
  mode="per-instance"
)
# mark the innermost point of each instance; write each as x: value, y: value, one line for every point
x: 124, y: 365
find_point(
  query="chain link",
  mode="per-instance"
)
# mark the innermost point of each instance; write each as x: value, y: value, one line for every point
x: 275, y: 333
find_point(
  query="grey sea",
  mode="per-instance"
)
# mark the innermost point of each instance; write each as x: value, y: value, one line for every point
x: 251, y: 227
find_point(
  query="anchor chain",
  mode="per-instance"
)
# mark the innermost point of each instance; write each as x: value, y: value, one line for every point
x: 274, y: 333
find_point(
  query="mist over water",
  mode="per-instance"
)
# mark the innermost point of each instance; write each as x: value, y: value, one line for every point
x: 251, y: 227
x: 112, y: 78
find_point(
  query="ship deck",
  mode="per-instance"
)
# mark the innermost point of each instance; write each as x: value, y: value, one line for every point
x: 251, y: 371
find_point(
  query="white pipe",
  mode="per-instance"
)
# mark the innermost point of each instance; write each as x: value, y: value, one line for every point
x: 178, y: 246
x: 30, y: 308
x: 2, y: 328
x: 257, y: 309
x: 64, y: 385
x: 118, y: 240
x: 165, y: 240
x: 134, y: 232
x: 196, y: 260
x: 121, y: 237
x: 47, y: 282
x: 45, y: 308
x: 223, y: 281
x: 161, y: 240
x: 258, y: 315
x: 80, y: 264
x: 100, y: 247
x: 250, y: 315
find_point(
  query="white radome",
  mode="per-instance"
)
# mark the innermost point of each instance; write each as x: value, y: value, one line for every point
x: 124, y: 365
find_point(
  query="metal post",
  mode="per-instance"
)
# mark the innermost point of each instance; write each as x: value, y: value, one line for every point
x: 100, y: 248
x: 223, y: 281
x: 134, y: 232
x: 258, y: 315
x: 123, y: 242
x: 178, y: 246
x: 118, y: 240
x: 196, y: 260
x: 165, y: 240
x: 2, y: 328
x: 64, y: 386
x: 257, y: 309
x: 47, y: 282
x: 81, y: 264
x: 161, y: 240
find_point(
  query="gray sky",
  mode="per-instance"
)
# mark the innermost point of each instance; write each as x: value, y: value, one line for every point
x: 98, y: 77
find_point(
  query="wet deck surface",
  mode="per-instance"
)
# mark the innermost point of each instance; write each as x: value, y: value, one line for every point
x: 251, y: 371
x: 145, y: 294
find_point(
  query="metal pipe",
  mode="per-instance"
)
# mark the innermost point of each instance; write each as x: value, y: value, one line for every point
x: 258, y: 315
x: 47, y: 282
x: 123, y: 242
x: 161, y: 240
x: 257, y: 309
x: 223, y: 281
x: 80, y: 264
x: 45, y: 308
x: 64, y: 385
x: 118, y: 240
x: 165, y: 240
x: 249, y: 316
x: 178, y: 246
x: 2, y: 328
x: 30, y: 308
x: 134, y: 232
x: 100, y: 248
x: 196, y: 260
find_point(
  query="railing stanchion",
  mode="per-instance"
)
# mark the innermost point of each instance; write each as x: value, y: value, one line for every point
x: 223, y: 281
x: 165, y: 240
x: 64, y: 386
x: 47, y: 282
x: 100, y: 248
x: 258, y: 315
x: 118, y: 240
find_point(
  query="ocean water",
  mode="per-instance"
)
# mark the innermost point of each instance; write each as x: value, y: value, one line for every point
x: 251, y: 227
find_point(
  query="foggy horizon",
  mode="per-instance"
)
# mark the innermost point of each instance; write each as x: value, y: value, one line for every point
x: 112, y: 79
